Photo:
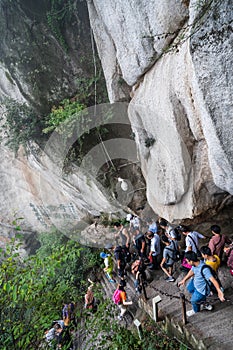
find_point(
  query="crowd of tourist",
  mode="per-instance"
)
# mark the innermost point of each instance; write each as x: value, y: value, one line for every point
x: 161, y: 246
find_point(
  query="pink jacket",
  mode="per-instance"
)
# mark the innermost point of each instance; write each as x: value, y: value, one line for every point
x: 230, y: 258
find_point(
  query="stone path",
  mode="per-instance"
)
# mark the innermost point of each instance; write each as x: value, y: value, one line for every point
x: 211, y: 330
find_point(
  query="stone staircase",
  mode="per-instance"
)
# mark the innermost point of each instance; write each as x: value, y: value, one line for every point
x: 205, y: 330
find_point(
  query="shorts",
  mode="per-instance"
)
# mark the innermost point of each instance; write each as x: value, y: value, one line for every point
x: 165, y: 265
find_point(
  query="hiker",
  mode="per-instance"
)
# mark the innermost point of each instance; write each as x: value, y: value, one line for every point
x: 108, y: 269
x: 134, y: 222
x: 168, y: 260
x: 120, y: 298
x: 140, y: 243
x: 191, y: 244
x: 218, y: 241
x: 68, y: 313
x: 138, y: 269
x: 212, y: 260
x: 123, y: 234
x: 229, y: 254
x: 199, y: 286
x: 169, y: 230
x: 62, y: 336
x: 191, y: 239
x: 120, y: 261
x: 155, y: 248
x: 58, y: 335
x: 50, y: 335
x: 152, y: 225
x: 89, y: 297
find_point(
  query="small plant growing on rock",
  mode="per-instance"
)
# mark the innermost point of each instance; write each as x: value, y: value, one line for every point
x: 149, y: 141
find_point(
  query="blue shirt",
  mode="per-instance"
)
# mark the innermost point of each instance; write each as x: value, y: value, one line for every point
x: 199, y: 282
x: 153, y: 227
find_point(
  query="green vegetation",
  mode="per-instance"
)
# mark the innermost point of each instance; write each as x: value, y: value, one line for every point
x: 63, y: 113
x: 149, y: 141
x: 20, y: 124
x: 104, y: 332
x: 34, y: 288
x: 60, y: 11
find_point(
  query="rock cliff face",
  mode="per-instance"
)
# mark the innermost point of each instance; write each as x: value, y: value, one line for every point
x: 36, y: 190
x: 42, y: 57
x: 177, y: 58
x: 41, y: 63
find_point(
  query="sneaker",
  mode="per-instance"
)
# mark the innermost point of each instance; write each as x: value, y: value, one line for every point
x: 206, y: 307
x: 119, y: 317
x: 138, y: 290
x: 170, y: 279
x: 112, y: 281
x: 190, y: 313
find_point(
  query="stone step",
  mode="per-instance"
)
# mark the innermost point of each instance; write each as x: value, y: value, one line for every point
x: 205, y: 330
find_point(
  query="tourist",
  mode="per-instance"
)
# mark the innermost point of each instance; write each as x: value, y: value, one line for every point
x: 167, y: 260
x: 218, y: 241
x: 108, y: 269
x: 140, y: 243
x: 123, y: 234
x: 191, y: 240
x: 155, y: 249
x: 212, y: 260
x: 168, y: 229
x: 199, y: 286
x: 89, y: 297
x: 120, y: 298
x: 229, y: 254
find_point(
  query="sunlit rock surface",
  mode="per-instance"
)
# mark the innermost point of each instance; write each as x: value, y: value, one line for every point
x: 181, y: 108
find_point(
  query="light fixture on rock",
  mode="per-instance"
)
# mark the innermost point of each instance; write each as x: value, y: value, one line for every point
x: 124, y: 185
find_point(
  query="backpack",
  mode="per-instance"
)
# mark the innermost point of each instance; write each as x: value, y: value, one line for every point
x: 126, y: 254
x: 138, y: 240
x: 177, y: 233
x: 175, y: 253
x: 117, y: 297
x: 209, y: 283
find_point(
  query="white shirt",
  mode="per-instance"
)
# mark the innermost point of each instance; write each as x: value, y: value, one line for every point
x: 155, y: 244
x: 190, y: 241
x: 135, y: 222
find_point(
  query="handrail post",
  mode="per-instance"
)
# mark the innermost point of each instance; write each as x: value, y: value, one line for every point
x: 184, y: 317
x: 144, y: 289
x: 139, y: 328
x: 155, y: 302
